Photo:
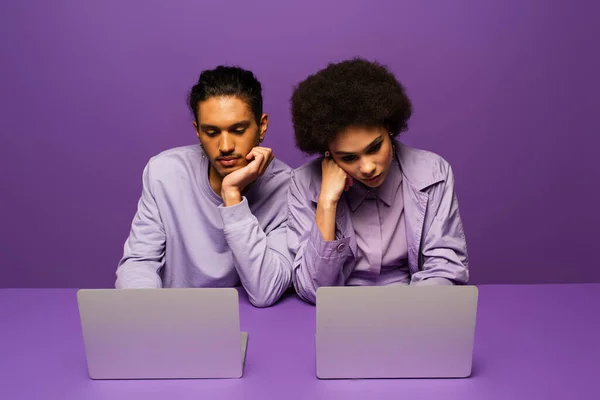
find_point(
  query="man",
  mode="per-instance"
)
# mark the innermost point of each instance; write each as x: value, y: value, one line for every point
x: 214, y: 215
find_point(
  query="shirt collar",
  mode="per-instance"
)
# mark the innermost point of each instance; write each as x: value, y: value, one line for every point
x: 386, y: 192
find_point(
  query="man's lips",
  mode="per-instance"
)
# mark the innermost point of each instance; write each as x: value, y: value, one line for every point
x: 228, y: 161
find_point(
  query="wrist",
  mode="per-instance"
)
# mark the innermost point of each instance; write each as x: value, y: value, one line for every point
x: 231, y: 196
x: 326, y: 202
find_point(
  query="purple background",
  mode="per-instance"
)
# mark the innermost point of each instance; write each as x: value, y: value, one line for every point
x: 504, y: 90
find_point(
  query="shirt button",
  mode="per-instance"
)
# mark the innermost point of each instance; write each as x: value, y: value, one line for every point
x: 341, y: 247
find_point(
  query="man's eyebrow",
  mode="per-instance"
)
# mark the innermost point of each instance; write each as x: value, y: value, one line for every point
x: 239, y: 124
x: 207, y: 127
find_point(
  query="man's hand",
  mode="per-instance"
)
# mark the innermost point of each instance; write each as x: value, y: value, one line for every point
x: 234, y: 183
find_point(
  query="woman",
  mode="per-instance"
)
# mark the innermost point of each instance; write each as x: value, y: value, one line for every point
x: 370, y: 211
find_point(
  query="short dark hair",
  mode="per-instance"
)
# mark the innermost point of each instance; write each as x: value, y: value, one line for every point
x: 354, y: 92
x: 227, y: 81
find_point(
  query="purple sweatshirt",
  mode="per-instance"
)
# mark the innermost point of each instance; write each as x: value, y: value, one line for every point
x: 183, y: 236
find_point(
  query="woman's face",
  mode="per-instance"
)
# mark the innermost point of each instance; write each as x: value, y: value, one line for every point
x: 364, y: 153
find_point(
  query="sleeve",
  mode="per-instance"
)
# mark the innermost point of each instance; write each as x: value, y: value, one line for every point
x: 316, y: 262
x: 144, y: 250
x: 261, y: 259
x: 444, y: 249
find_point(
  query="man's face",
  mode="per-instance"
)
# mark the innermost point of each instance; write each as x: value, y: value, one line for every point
x: 227, y: 131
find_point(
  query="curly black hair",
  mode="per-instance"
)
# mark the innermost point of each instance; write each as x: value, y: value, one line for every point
x: 227, y: 81
x: 354, y: 92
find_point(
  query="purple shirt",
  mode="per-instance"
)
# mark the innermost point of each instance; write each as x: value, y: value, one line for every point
x: 183, y: 236
x: 377, y: 216
x: 434, y: 235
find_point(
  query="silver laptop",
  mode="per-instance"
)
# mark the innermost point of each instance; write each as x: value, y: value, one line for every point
x: 395, y: 331
x: 162, y: 333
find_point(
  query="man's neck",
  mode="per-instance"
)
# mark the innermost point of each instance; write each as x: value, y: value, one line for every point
x: 215, y: 180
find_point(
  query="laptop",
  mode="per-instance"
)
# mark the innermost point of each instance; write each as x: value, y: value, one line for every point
x: 162, y: 333
x: 395, y: 331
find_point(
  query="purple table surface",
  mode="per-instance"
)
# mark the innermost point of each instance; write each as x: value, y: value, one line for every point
x: 532, y: 342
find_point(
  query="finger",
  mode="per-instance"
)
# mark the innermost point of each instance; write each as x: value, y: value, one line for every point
x: 264, y: 165
x: 349, y: 182
x: 256, y: 150
x: 263, y: 150
x: 267, y: 158
x: 255, y: 165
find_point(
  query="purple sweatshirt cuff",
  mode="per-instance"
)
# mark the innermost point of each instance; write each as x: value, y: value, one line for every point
x: 236, y: 214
